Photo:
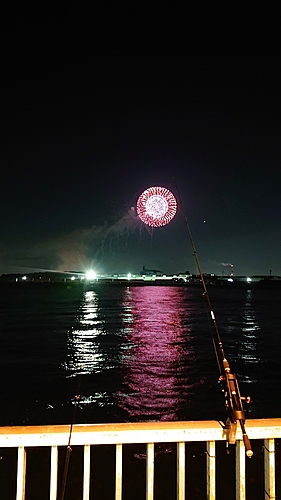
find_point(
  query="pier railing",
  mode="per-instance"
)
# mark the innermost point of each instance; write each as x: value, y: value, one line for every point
x: 267, y: 431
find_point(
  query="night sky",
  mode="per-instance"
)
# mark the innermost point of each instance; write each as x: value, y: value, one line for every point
x: 99, y: 103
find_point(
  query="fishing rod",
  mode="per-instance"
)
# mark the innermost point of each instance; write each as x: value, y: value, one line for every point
x: 227, y: 380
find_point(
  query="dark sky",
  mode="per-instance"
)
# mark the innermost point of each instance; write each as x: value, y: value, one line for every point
x: 99, y: 103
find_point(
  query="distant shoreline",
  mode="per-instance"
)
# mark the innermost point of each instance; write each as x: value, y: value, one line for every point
x: 75, y: 280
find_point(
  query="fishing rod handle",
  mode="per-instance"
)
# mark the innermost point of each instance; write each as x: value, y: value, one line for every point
x: 247, y: 444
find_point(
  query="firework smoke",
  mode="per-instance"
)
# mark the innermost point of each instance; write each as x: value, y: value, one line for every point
x: 77, y: 250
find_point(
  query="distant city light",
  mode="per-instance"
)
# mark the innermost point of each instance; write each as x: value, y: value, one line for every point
x: 72, y: 278
x: 156, y: 206
x: 24, y: 278
x: 249, y: 280
x: 91, y: 275
x: 129, y: 275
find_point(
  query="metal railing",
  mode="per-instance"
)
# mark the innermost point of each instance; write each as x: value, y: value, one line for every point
x: 148, y: 433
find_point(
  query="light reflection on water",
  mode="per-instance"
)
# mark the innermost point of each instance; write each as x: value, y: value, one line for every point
x: 240, y: 330
x: 154, y: 368
x: 146, y: 352
x: 247, y: 347
x: 146, y: 338
x: 84, y: 355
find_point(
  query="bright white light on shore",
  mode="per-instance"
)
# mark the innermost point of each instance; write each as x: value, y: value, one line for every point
x: 91, y: 275
x: 129, y: 275
x: 72, y: 278
x: 24, y: 278
x: 249, y: 280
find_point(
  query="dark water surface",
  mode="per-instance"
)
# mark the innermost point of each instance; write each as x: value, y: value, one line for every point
x: 134, y: 353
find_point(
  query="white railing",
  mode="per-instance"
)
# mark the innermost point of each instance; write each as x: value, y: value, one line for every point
x: 148, y: 433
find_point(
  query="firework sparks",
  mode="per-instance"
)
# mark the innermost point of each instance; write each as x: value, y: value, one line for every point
x: 156, y: 206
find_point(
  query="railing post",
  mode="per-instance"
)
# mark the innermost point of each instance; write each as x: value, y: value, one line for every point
x: 269, y: 469
x: 21, y: 473
x: 181, y: 471
x: 118, y: 473
x: 54, y: 473
x: 240, y: 471
x: 211, y: 470
x: 86, y: 475
x: 149, y: 471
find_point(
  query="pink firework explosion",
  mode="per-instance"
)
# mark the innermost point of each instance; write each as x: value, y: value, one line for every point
x: 156, y: 206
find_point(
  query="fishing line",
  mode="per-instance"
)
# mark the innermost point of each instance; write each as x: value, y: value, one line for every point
x: 233, y: 399
x: 68, y: 448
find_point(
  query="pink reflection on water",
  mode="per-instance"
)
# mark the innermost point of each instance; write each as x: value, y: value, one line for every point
x: 155, y: 364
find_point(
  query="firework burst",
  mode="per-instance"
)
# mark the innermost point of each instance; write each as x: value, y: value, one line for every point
x: 156, y: 206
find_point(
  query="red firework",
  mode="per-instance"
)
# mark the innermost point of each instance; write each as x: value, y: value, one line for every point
x: 156, y: 206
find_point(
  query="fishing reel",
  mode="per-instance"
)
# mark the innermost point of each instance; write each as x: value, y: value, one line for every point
x: 230, y: 389
x: 234, y: 406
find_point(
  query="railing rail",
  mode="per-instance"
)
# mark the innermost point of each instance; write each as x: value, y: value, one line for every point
x: 148, y: 433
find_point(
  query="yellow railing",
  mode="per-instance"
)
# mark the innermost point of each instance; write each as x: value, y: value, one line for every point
x: 148, y: 433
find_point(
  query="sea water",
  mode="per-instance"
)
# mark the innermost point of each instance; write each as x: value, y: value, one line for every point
x: 106, y: 353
